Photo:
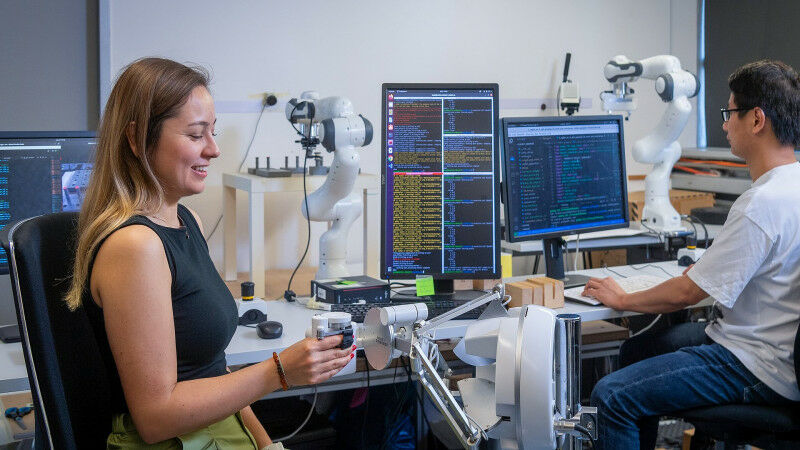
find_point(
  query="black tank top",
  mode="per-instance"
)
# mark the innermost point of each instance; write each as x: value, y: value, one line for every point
x: 203, y: 308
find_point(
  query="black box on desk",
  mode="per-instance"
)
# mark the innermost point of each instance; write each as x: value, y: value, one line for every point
x: 350, y: 290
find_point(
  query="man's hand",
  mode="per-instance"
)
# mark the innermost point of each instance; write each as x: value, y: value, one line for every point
x: 687, y: 269
x: 607, y: 291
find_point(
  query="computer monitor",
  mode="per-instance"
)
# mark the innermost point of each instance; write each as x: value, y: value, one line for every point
x: 562, y: 176
x: 40, y: 173
x: 440, y: 189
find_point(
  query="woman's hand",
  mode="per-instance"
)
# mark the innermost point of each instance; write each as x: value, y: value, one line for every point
x: 312, y: 361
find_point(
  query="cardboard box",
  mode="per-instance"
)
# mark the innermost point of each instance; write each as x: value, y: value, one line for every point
x: 609, y: 258
x: 682, y: 201
x: 601, y: 331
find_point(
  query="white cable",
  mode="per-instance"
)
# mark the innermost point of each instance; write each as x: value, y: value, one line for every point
x: 647, y: 327
x: 310, y: 411
x: 577, y: 250
x: 480, y: 430
x: 506, y: 299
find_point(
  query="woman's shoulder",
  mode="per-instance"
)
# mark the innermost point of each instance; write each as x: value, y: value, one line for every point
x: 133, y: 241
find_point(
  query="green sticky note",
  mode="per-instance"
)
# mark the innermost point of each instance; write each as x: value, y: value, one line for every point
x: 347, y: 282
x: 425, y: 286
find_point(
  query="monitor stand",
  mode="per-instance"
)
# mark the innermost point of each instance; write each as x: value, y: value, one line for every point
x: 554, y: 263
x: 443, y: 291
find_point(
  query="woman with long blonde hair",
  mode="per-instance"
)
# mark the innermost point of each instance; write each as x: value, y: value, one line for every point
x: 143, y: 273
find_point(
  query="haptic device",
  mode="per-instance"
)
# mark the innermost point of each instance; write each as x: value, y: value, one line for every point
x: 331, y: 324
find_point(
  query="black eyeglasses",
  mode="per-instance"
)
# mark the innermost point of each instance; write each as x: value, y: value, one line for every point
x: 726, y: 112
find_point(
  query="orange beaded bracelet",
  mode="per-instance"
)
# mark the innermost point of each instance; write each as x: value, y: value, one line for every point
x: 281, y: 373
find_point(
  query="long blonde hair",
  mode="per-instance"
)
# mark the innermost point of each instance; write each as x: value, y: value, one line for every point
x: 123, y: 184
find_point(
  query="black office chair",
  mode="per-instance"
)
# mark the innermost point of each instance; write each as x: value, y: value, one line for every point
x: 768, y: 427
x: 68, y: 379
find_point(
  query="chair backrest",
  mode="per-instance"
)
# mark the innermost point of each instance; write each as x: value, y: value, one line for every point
x: 797, y: 356
x: 67, y: 376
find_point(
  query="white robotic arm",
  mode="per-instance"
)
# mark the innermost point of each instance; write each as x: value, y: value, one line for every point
x: 331, y: 122
x: 675, y: 86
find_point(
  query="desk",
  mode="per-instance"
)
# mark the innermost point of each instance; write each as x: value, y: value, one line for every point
x: 247, y: 348
x: 256, y: 187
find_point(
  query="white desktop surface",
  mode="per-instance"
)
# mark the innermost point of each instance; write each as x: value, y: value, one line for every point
x: 246, y: 347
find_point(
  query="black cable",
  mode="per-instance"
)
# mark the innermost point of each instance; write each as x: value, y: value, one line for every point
x: 246, y: 153
x: 366, y: 410
x: 687, y: 219
x: 420, y: 400
x: 582, y: 430
x: 638, y: 268
x: 702, y: 224
x: 614, y: 271
x: 288, y: 294
x: 653, y: 265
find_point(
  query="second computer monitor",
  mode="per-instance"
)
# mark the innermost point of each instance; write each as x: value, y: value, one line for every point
x: 563, y: 175
x: 440, y: 184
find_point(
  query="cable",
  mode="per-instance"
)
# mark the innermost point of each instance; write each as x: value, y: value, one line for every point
x: 246, y: 153
x: 366, y: 411
x: 686, y: 219
x: 582, y: 430
x: 702, y: 224
x: 638, y: 268
x: 577, y: 250
x: 647, y: 327
x: 652, y: 265
x: 614, y: 271
x: 288, y: 294
x: 477, y: 425
x: 310, y: 412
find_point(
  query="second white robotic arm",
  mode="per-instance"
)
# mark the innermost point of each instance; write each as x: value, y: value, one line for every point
x: 341, y: 132
x: 660, y: 147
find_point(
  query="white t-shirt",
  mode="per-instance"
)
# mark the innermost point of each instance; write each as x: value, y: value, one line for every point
x: 753, y: 272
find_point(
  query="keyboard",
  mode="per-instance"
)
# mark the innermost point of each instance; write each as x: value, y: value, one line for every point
x: 629, y: 285
x: 435, y: 308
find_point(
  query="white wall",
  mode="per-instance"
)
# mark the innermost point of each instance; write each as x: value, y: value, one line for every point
x: 350, y: 47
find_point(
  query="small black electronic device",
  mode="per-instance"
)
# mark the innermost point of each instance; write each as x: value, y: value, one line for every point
x: 350, y: 290
x: 252, y: 316
x: 251, y: 309
x: 269, y: 329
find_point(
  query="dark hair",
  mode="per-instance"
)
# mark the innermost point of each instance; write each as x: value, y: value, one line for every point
x: 774, y: 87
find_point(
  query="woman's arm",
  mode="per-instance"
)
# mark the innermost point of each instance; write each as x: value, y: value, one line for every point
x: 256, y: 428
x: 131, y: 281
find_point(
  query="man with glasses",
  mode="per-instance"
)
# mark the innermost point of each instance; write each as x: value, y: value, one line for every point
x: 752, y: 271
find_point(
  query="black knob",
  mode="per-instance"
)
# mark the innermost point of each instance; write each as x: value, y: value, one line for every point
x: 248, y: 289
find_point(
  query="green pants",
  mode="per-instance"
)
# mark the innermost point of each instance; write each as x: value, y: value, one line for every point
x: 230, y: 433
